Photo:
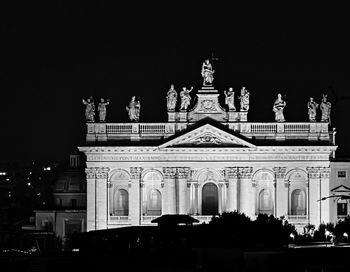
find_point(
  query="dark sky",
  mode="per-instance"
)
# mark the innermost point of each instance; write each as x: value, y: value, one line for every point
x: 52, y: 56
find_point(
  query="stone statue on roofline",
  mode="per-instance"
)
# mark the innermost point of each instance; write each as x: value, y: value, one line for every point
x: 207, y: 73
x: 134, y: 109
x: 325, y: 108
x: 89, y: 109
x: 244, y: 99
x: 185, y: 98
x: 171, y: 98
x: 102, y: 109
x: 312, y: 107
x: 230, y: 99
x: 278, y: 108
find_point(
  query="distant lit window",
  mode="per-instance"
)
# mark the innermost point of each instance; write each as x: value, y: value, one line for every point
x: 342, y: 207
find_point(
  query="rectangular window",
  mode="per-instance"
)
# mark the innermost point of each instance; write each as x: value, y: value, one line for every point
x: 342, y: 174
x: 342, y: 209
x: 74, y: 203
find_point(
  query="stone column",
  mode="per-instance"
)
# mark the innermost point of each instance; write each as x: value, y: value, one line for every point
x: 196, y: 203
x: 281, y: 192
x: 101, y: 197
x: 325, y: 204
x: 231, y: 175
x: 90, y: 199
x: 247, y: 191
x: 314, y: 195
x: 222, y: 197
x: 182, y: 176
x: 135, y: 200
x: 169, y: 204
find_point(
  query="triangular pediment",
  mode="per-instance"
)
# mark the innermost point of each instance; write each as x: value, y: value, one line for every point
x: 341, y: 189
x: 208, y: 135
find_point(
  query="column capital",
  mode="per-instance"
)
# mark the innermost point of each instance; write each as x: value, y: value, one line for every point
x: 245, y: 172
x: 231, y: 172
x: 313, y: 172
x: 183, y: 172
x: 135, y: 172
x: 102, y: 172
x: 169, y: 172
x: 325, y: 172
x: 90, y: 172
x: 280, y: 172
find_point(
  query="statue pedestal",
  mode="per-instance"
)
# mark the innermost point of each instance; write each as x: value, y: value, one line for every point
x: 233, y: 116
x: 183, y: 116
x: 243, y: 116
x: 171, y: 116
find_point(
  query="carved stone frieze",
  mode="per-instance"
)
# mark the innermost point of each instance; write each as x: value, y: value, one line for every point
x: 207, y: 139
x: 135, y: 172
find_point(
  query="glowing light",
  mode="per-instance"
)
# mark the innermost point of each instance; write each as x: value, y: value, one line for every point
x: 3, y: 173
x: 28, y: 184
x: 47, y: 168
x: 292, y: 236
x: 345, y: 235
x: 327, y: 233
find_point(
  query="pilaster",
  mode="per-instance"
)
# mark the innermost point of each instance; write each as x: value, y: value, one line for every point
x: 101, y: 199
x: 247, y: 191
x: 135, y: 200
x: 169, y: 197
x: 314, y: 195
x: 182, y: 176
x: 325, y: 204
x: 281, y: 192
x: 90, y: 199
x: 231, y: 175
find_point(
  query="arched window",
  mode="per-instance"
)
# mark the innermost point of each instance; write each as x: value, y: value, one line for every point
x: 298, y: 202
x: 210, y: 199
x: 265, y: 202
x: 121, y: 202
x: 154, y: 202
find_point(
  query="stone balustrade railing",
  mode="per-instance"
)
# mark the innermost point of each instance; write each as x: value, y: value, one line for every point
x: 102, y: 132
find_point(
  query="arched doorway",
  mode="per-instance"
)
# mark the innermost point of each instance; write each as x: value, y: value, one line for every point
x: 210, y: 199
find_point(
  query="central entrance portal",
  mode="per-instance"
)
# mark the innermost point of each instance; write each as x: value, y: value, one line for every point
x: 210, y: 199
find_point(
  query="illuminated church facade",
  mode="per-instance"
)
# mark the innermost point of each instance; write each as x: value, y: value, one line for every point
x: 205, y: 161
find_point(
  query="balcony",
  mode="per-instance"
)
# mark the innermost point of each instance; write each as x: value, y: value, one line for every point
x: 119, y: 220
x: 103, y: 132
x: 295, y: 219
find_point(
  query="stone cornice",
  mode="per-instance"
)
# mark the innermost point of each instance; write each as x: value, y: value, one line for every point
x: 155, y: 149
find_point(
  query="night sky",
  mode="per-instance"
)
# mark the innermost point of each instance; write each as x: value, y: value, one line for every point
x: 53, y: 56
